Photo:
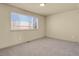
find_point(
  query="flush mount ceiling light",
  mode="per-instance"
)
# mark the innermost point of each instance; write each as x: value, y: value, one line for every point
x: 42, y: 4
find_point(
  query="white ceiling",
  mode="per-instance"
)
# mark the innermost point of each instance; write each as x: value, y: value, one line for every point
x: 50, y: 8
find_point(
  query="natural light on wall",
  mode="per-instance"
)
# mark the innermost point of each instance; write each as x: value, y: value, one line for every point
x: 23, y: 22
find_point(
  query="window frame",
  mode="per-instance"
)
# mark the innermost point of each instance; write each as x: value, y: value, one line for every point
x: 24, y: 15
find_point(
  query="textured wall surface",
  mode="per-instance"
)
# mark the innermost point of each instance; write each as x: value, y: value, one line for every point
x: 8, y: 37
x: 64, y: 26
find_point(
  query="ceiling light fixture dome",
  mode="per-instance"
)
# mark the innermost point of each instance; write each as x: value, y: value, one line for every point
x: 42, y: 4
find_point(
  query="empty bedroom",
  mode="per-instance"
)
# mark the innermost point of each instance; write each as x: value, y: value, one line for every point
x: 39, y: 29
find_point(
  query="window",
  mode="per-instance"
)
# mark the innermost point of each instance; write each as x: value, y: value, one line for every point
x: 23, y: 22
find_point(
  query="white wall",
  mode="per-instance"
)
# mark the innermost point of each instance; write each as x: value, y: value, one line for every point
x: 8, y: 37
x: 64, y: 26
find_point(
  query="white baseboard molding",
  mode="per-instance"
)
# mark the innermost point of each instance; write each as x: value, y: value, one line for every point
x: 62, y: 40
x: 22, y: 43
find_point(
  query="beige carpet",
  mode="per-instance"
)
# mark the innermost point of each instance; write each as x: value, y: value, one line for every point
x: 43, y: 47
